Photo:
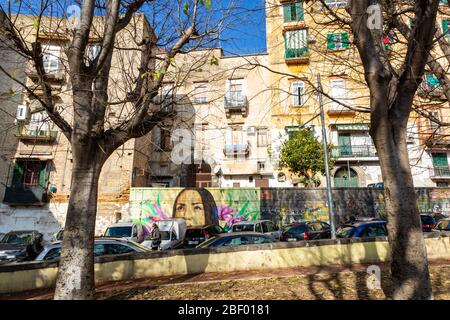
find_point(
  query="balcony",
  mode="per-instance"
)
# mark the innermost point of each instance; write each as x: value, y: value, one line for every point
x: 57, y: 74
x: 337, y: 109
x: 297, y: 56
x: 236, y: 103
x: 37, y: 135
x: 242, y: 149
x: 25, y: 195
x: 347, y: 152
x: 440, y: 172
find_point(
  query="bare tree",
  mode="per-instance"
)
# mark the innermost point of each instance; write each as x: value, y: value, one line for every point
x: 171, y: 28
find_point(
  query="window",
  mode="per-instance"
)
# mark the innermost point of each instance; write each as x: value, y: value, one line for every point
x: 338, y: 91
x: 298, y: 93
x: 92, y: 52
x: 434, y: 126
x: 235, y: 90
x: 263, y: 137
x: 50, y: 58
x: 39, y: 124
x: 260, y: 240
x: 336, y: 3
x: 54, y: 253
x: 268, y: 227
x: 261, y: 165
x: 200, y: 92
x: 30, y: 174
x: 337, y: 41
x: 258, y: 228
x: 377, y: 230
x: 99, y: 250
x: 118, y: 249
x: 293, y: 11
x: 445, y: 24
x: 442, y: 184
x: 296, y: 43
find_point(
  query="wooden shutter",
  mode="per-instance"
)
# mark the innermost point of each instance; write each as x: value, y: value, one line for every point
x: 43, y: 175
x: 18, y: 173
x: 345, y: 43
x: 299, y: 10
x: 287, y: 13
x: 440, y: 160
x: 445, y: 26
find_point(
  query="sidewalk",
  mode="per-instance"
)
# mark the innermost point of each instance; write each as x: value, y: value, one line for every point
x: 331, y: 282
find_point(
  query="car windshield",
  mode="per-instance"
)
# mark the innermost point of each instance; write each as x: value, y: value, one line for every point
x: 193, y: 233
x: 345, y: 232
x: 427, y: 220
x: 243, y: 227
x: 18, y: 238
x: 118, y: 232
x: 165, y: 235
x: 296, y: 229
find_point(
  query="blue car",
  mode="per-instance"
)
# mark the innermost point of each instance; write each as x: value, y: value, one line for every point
x: 363, y: 230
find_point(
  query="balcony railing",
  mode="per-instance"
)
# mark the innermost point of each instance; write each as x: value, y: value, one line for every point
x: 25, y: 195
x: 294, y: 56
x: 236, y: 149
x: 56, y: 74
x: 439, y: 172
x: 37, y: 135
x: 236, y: 103
x: 354, y: 152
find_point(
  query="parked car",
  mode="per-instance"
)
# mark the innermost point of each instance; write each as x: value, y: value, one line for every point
x: 236, y: 239
x: 172, y: 234
x: 196, y: 235
x: 443, y: 225
x: 362, y: 229
x: 306, y: 230
x: 128, y: 230
x: 428, y: 222
x: 14, y: 244
x: 377, y: 186
x: 102, y: 247
x: 260, y: 226
x: 1, y: 236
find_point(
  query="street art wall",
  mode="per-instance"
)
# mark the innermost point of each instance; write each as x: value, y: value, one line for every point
x: 197, y: 205
x: 281, y: 205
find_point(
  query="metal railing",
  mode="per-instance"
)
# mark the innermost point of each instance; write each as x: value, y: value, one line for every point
x: 233, y: 101
x: 234, y: 149
x: 301, y: 53
x: 367, y: 151
x: 44, y: 135
x: 25, y: 195
x: 440, y: 172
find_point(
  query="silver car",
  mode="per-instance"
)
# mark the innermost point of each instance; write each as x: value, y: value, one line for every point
x: 260, y: 226
x: 102, y: 247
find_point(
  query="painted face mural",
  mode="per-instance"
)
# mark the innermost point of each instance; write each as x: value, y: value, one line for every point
x: 197, y: 206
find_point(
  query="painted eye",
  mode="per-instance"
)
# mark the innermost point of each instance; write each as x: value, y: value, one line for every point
x: 180, y: 207
x: 198, y: 208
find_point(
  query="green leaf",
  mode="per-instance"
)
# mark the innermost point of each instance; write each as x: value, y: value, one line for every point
x: 143, y: 75
x: 10, y: 92
x: 208, y: 4
x: 244, y: 208
x: 172, y: 61
x: 35, y: 23
x: 186, y: 9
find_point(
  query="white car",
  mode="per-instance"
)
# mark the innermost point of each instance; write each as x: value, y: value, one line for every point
x: 259, y: 226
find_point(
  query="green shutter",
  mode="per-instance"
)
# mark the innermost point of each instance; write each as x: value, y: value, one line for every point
x: 440, y: 160
x: 287, y: 13
x: 18, y: 175
x: 330, y: 41
x: 345, y: 43
x: 43, y: 176
x: 299, y: 10
x: 445, y: 26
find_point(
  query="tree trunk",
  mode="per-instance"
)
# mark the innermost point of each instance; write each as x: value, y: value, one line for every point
x: 75, y: 278
x: 409, y: 263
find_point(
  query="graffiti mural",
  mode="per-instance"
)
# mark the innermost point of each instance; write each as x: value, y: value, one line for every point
x: 197, y: 205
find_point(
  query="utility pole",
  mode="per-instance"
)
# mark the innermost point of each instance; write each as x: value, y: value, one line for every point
x: 327, y: 166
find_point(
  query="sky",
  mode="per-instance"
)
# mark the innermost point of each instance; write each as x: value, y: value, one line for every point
x: 245, y: 35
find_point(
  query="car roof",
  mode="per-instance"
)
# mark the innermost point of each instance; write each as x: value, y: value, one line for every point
x: 235, y: 234
x: 251, y: 222
x: 357, y: 224
x: 201, y: 227
x: 122, y: 224
x: 22, y: 231
x: 98, y: 240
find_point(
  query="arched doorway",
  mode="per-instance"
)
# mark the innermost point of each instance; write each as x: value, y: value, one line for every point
x: 345, y: 178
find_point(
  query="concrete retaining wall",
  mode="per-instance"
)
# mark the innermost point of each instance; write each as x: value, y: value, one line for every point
x: 24, y: 277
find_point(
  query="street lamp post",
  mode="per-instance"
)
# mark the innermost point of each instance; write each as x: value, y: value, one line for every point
x: 327, y: 167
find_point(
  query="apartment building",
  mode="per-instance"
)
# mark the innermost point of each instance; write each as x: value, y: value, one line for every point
x: 36, y: 159
x: 223, y: 116
x: 302, y: 43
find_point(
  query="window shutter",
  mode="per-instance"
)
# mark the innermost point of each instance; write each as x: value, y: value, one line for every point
x: 445, y: 26
x: 17, y: 179
x: 287, y: 13
x: 330, y: 43
x: 299, y: 10
x: 43, y: 176
x: 345, y: 43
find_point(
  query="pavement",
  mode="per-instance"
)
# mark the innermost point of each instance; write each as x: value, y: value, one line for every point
x: 330, y: 282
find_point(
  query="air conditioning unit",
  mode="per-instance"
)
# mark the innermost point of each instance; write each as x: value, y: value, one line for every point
x: 251, y: 131
x: 23, y: 113
x: 311, y: 39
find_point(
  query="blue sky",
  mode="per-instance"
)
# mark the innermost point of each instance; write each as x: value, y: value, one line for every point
x: 245, y: 35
